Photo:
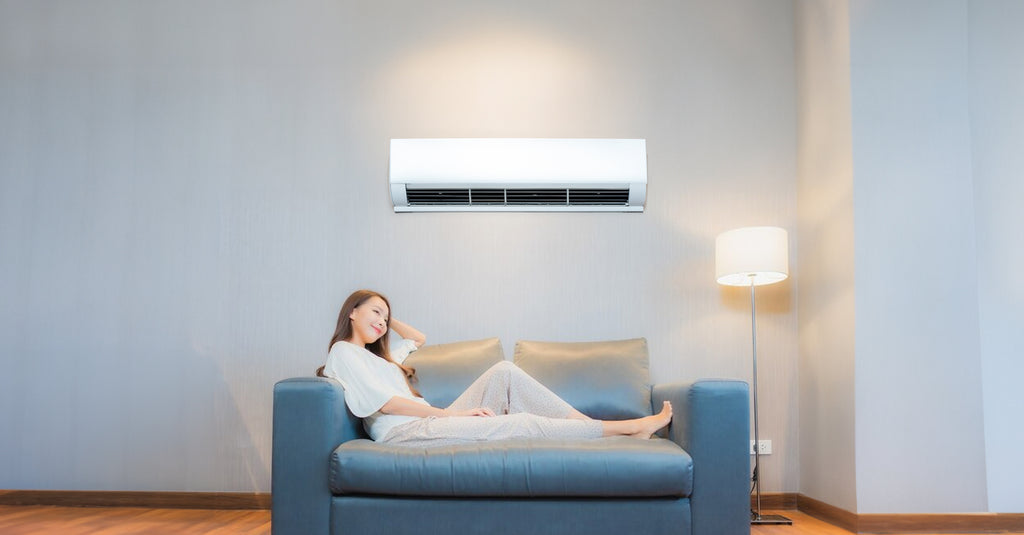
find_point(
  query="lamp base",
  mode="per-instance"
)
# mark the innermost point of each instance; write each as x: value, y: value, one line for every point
x: 770, y: 519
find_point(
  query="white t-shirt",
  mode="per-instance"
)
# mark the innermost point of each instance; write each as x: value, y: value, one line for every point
x: 370, y: 382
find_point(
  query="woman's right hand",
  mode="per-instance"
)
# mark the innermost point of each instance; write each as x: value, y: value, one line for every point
x: 478, y: 411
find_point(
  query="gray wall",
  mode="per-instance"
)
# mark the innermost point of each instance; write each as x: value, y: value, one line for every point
x: 918, y: 387
x: 997, y: 128
x: 827, y: 301
x: 188, y: 190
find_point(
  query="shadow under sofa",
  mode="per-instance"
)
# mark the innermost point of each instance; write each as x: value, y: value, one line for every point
x: 328, y: 477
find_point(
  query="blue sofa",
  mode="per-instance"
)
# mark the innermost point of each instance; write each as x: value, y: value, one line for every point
x: 329, y: 478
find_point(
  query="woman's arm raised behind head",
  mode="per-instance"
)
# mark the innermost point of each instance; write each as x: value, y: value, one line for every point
x: 406, y: 331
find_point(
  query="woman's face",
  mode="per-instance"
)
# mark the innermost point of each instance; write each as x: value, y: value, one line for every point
x: 369, y: 321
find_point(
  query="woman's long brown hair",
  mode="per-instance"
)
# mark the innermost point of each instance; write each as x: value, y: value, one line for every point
x: 381, y: 347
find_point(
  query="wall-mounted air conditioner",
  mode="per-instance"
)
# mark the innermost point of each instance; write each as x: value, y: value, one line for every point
x: 520, y: 175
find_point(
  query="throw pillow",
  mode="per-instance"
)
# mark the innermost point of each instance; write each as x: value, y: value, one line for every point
x: 604, y: 380
x: 444, y: 371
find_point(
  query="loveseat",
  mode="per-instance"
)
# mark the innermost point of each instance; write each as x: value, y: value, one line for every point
x: 329, y: 478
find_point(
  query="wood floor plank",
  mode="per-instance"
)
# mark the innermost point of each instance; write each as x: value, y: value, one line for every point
x: 25, y: 519
x: 804, y: 524
x: 35, y: 519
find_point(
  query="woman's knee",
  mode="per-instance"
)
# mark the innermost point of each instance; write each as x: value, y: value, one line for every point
x: 504, y: 365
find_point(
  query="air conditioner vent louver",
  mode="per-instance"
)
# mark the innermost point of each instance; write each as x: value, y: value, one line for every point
x: 596, y: 197
x: 437, y: 196
x: 516, y: 197
x: 518, y: 175
x: 488, y: 197
x: 519, y: 197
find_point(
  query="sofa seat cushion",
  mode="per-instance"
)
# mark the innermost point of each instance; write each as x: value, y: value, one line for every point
x: 607, y: 467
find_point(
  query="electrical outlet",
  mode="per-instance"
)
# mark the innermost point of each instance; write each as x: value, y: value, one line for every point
x: 766, y: 447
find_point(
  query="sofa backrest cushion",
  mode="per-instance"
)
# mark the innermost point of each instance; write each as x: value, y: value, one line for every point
x: 604, y: 380
x: 444, y: 371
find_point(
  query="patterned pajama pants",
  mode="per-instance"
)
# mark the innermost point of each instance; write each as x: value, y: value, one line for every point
x: 523, y: 408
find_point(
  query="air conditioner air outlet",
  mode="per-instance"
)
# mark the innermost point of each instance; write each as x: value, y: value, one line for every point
x: 516, y: 197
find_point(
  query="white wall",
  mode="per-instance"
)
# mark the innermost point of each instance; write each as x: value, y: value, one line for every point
x: 919, y: 431
x: 188, y: 190
x: 931, y: 89
x: 997, y: 130
x: 827, y: 291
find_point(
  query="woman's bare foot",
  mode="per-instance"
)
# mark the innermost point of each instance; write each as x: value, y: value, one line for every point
x: 651, y: 424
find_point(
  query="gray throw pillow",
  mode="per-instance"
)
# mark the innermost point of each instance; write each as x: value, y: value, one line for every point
x: 604, y: 380
x: 444, y: 371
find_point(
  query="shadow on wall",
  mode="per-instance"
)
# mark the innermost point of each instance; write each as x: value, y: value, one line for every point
x: 231, y: 436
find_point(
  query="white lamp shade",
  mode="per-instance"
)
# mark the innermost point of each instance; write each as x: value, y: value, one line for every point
x: 752, y: 256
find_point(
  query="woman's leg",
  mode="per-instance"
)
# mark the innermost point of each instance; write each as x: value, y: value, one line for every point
x: 506, y: 389
x: 455, y: 430
x: 640, y: 427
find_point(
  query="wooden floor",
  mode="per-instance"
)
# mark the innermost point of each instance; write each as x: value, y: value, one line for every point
x: 807, y: 525
x: 23, y: 519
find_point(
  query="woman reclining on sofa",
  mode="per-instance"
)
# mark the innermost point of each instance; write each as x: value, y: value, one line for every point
x: 503, y: 403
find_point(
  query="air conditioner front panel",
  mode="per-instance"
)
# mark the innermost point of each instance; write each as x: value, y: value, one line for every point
x: 518, y: 174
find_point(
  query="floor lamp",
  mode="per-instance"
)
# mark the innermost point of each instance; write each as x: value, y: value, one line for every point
x: 753, y: 256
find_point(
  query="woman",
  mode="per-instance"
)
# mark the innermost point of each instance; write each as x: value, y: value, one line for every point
x: 503, y: 403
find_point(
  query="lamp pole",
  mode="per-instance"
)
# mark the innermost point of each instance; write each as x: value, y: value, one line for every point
x: 757, y: 435
x: 756, y: 516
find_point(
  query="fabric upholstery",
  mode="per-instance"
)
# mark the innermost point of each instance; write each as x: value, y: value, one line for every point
x: 444, y: 371
x: 618, y: 467
x: 711, y: 424
x: 484, y: 516
x: 310, y: 419
x: 711, y: 421
x: 604, y: 380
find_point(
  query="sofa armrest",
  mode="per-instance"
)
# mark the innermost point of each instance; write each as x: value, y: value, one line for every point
x: 310, y: 420
x: 711, y: 421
